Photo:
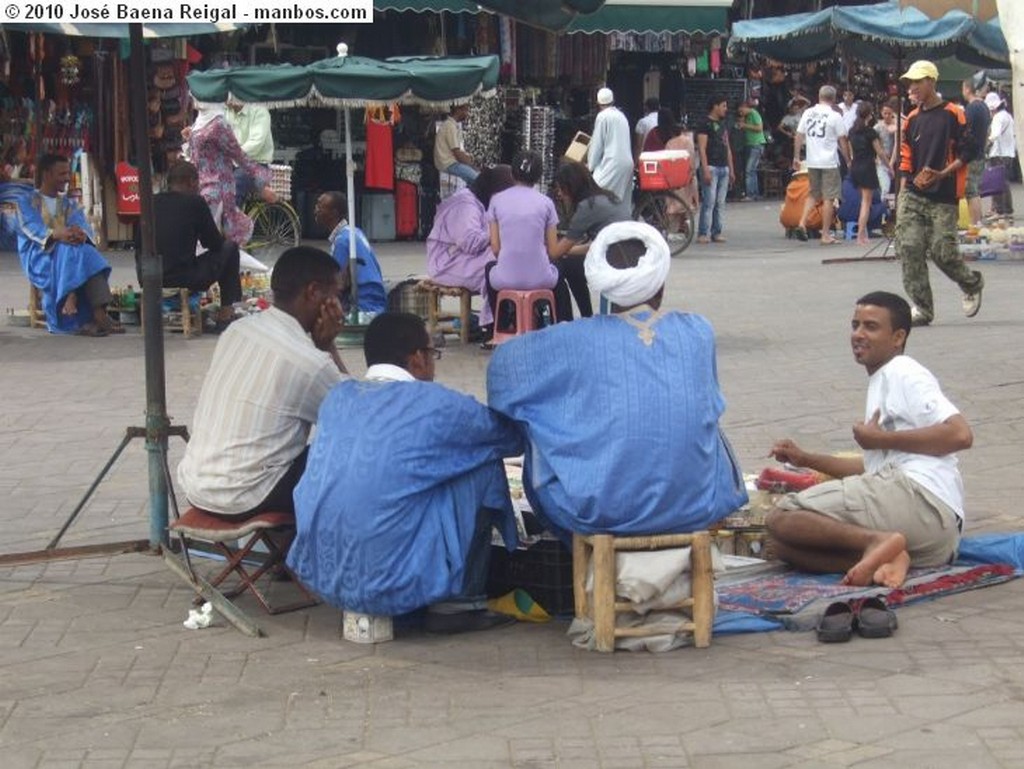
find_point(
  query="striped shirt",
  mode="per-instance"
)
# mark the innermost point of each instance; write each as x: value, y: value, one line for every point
x: 260, y: 399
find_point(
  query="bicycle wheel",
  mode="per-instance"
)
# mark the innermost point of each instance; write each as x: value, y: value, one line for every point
x: 275, y: 228
x: 676, y: 227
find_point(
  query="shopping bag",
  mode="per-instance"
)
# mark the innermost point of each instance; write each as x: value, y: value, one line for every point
x: 993, y: 182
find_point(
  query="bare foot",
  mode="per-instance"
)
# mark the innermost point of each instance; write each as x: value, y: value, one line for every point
x: 894, y: 573
x: 863, y: 242
x: 70, y: 304
x: 884, y: 550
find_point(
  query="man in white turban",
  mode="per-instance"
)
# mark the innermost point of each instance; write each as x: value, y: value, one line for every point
x: 620, y: 412
x: 610, y: 154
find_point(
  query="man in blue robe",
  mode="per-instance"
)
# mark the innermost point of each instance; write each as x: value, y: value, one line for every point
x: 620, y: 412
x: 402, y: 486
x: 58, y: 256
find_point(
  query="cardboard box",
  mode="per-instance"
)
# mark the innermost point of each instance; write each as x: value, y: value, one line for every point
x: 578, y: 147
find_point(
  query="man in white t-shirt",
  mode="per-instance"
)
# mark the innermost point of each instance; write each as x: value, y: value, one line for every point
x: 645, y: 124
x: 902, y: 503
x: 821, y: 128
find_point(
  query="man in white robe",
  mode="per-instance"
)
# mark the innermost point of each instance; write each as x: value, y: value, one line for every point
x: 609, y: 155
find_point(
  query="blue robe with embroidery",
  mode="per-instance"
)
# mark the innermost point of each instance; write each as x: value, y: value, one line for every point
x: 622, y: 436
x: 396, y: 477
x: 57, y: 269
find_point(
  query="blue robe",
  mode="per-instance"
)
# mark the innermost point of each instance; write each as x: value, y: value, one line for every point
x: 622, y: 436
x: 57, y: 269
x: 369, y: 280
x: 396, y: 477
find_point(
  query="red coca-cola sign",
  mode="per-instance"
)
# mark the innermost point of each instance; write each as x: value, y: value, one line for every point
x: 128, y: 200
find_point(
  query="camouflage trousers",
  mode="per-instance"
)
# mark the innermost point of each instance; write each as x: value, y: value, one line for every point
x: 926, y: 229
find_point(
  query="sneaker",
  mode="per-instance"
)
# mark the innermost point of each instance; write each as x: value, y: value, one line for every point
x: 702, y: 239
x: 801, y: 234
x: 918, y: 318
x: 971, y: 303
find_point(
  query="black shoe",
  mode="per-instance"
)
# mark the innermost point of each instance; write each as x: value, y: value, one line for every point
x: 465, y: 622
x: 801, y: 234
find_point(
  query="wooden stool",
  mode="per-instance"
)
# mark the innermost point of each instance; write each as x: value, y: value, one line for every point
x: 196, y: 524
x: 36, y: 316
x: 516, y: 312
x: 188, y: 323
x: 438, y: 321
x: 602, y: 607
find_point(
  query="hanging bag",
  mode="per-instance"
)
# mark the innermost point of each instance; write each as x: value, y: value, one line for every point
x: 993, y: 182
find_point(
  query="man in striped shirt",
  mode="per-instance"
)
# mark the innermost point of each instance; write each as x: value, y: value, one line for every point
x: 269, y: 374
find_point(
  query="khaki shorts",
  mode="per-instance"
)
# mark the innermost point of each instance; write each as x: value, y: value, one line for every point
x: 887, y: 501
x: 825, y: 183
x: 974, y: 171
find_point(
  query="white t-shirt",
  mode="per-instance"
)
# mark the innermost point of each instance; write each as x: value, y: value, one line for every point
x: 821, y: 126
x: 1001, y: 134
x: 645, y: 124
x: 909, y: 397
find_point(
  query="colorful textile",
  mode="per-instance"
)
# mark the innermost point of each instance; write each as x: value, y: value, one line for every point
x: 215, y: 152
x: 397, y: 475
x: 57, y: 269
x: 621, y: 417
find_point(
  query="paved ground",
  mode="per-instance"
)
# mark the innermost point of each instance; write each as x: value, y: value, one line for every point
x: 96, y: 669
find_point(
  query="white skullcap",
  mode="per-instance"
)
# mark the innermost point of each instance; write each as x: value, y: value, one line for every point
x: 605, y: 97
x: 635, y: 285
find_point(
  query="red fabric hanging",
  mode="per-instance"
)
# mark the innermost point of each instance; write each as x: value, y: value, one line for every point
x: 380, y: 156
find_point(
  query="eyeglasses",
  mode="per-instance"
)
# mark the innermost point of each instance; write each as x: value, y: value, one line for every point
x: 434, y: 352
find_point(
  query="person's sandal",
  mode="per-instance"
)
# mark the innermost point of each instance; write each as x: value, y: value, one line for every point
x: 836, y: 624
x: 91, y: 329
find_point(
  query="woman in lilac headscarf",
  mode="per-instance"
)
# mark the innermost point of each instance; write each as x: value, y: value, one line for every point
x: 459, y: 244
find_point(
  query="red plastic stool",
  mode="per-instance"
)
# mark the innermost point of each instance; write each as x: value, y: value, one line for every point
x: 518, y: 312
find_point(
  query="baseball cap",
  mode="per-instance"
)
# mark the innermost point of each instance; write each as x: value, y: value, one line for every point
x: 920, y: 70
x: 992, y: 100
x: 605, y: 96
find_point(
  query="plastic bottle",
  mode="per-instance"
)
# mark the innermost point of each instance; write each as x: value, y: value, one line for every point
x: 128, y: 300
x: 545, y: 315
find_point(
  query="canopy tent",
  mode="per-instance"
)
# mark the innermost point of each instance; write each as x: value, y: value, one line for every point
x: 881, y: 34
x: 555, y: 16
x: 352, y: 81
x: 656, y: 16
x: 120, y: 31
x: 984, y: 10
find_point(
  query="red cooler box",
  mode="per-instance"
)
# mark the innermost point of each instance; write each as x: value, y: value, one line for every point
x: 664, y: 170
x: 406, y: 214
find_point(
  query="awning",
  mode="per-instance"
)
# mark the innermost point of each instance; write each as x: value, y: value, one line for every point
x: 614, y: 17
x: 427, y: 6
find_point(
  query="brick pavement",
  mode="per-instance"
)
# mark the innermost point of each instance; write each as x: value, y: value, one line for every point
x: 97, y: 671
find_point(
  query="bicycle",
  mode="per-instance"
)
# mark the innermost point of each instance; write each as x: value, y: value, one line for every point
x: 677, y: 225
x: 275, y: 227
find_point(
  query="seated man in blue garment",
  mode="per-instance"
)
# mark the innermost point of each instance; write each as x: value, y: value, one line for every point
x: 402, y: 487
x: 330, y: 211
x: 58, y: 255
x: 620, y: 412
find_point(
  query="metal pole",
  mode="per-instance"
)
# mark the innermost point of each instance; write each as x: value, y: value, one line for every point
x: 350, y: 186
x: 152, y: 288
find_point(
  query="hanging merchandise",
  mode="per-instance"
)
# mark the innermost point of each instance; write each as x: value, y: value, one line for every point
x: 70, y: 70
x: 380, y: 154
x: 484, y: 128
x: 652, y: 84
x: 716, y: 54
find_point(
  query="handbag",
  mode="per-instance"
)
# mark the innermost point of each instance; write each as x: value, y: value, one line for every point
x: 993, y: 182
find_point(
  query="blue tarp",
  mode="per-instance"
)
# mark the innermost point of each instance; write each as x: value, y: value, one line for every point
x: 881, y: 34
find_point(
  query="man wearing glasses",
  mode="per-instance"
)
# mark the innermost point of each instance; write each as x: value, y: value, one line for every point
x: 402, y: 488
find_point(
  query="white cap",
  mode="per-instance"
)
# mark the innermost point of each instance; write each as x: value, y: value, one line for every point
x: 992, y: 100
x: 605, y: 97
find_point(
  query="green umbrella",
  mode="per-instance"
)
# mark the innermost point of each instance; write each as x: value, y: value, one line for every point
x: 352, y: 81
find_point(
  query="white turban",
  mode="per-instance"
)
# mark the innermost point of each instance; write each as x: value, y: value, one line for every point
x: 635, y: 285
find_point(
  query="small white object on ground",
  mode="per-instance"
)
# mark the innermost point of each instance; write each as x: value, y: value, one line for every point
x: 200, y: 618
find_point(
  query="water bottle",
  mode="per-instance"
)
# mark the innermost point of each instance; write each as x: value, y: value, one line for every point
x: 128, y: 300
x: 545, y: 315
